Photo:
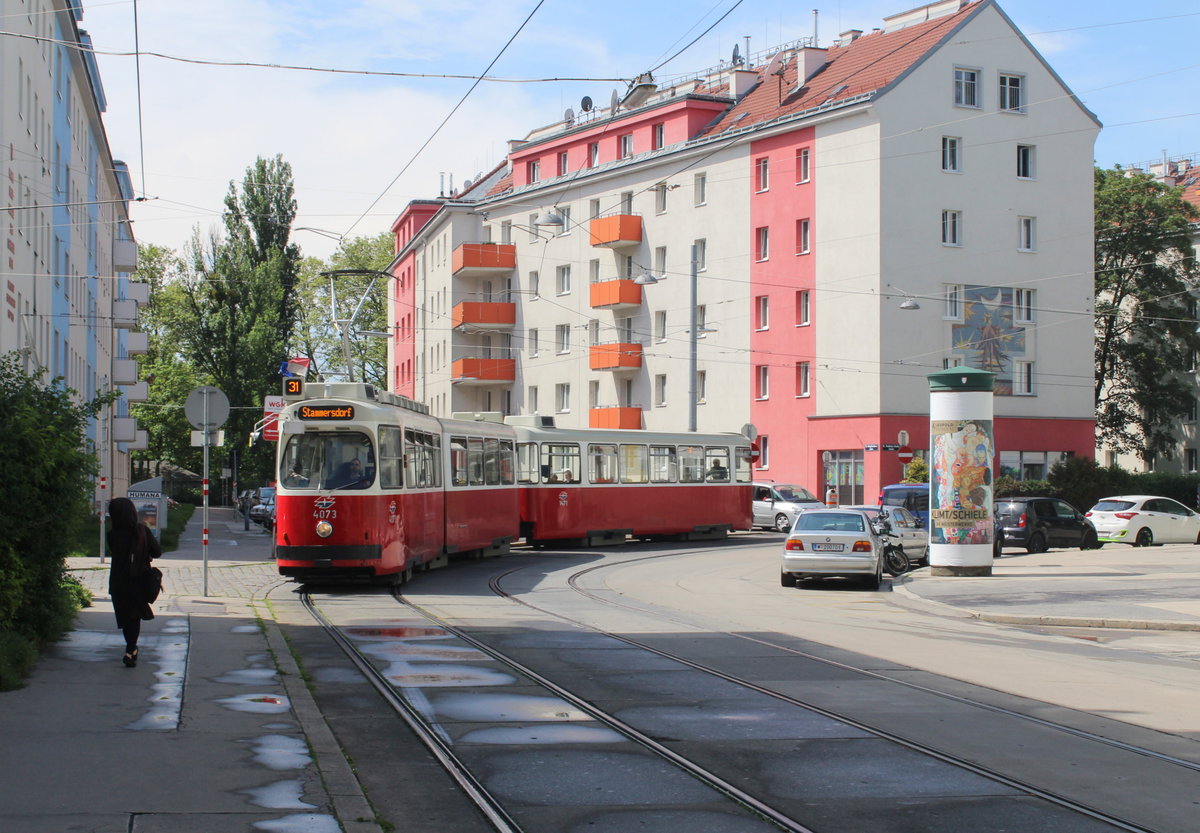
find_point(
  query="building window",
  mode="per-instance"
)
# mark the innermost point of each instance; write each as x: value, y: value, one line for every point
x: 802, y: 238
x: 660, y: 198
x: 564, y: 211
x: 532, y: 340
x: 660, y: 390
x: 762, y: 244
x: 701, y: 386
x: 594, y: 270
x: 533, y: 284
x: 660, y: 325
x: 764, y: 312
x: 1023, y: 384
x: 764, y: 382
x: 764, y: 449
x: 562, y: 397
x: 802, y: 165
x: 1027, y: 234
x: 762, y: 173
x: 1012, y: 93
x: 533, y: 170
x: 562, y: 163
x: 1191, y: 414
x: 954, y: 301
x: 802, y: 379
x: 533, y: 232
x: 532, y: 397
x: 951, y: 154
x: 626, y: 202
x: 562, y: 338
x: 660, y: 260
x: 659, y: 133
x: 951, y: 228
x: 700, y: 188
x: 1025, y: 158
x: 593, y: 154
x: 1191, y: 459
x: 700, y: 253
x: 593, y: 332
x: 803, y: 308
x: 562, y: 284
x: 593, y: 394
x: 625, y: 146
x: 966, y: 87
x: 506, y: 231
x: 1023, y: 306
x: 701, y: 319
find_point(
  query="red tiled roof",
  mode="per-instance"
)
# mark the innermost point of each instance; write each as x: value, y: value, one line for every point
x: 869, y: 63
x: 1189, y: 181
x: 505, y: 183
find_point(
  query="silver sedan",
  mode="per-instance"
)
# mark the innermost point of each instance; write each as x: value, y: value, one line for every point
x: 832, y: 542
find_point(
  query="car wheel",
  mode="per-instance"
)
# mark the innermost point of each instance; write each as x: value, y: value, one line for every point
x: 1037, y: 543
x: 1145, y: 538
x: 787, y: 579
x: 1089, y: 541
x: 782, y: 523
x: 874, y: 581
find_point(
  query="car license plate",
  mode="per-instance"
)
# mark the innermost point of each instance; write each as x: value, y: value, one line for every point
x: 828, y: 547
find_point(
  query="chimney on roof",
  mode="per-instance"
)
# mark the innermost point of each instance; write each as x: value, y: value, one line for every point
x: 849, y: 36
x: 810, y: 61
x: 742, y: 81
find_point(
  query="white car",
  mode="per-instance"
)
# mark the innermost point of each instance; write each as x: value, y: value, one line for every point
x: 776, y: 505
x: 912, y: 536
x: 832, y: 542
x: 1144, y: 520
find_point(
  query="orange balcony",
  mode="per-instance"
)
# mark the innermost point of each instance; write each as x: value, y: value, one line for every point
x: 483, y: 371
x: 480, y: 315
x: 616, y: 230
x: 478, y: 259
x: 621, y: 293
x: 617, y: 355
x: 614, y: 417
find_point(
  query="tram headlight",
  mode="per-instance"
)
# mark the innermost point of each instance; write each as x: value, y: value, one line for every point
x: 324, y: 529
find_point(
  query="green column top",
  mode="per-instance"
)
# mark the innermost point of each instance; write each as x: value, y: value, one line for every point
x: 961, y: 379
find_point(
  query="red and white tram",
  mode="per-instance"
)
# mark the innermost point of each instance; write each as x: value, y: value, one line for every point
x: 371, y: 486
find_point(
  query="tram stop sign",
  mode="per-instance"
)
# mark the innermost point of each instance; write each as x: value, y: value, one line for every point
x: 206, y: 408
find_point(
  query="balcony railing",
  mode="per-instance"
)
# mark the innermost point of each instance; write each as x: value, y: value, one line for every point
x: 615, y: 417
x: 484, y: 315
x: 617, y: 355
x: 616, y: 230
x: 483, y: 371
x: 621, y: 293
x: 475, y: 259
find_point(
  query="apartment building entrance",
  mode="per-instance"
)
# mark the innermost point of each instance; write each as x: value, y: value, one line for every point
x: 844, y: 472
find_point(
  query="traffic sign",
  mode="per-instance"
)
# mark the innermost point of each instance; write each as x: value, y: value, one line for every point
x: 206, y: 408
x: 905, y: 453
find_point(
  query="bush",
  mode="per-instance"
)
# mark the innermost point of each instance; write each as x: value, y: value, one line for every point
x: 177, y: 519
x: 17, y: 657
x: 1006, y: 486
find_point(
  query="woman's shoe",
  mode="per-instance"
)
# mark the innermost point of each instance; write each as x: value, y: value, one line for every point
x: 130, y: 658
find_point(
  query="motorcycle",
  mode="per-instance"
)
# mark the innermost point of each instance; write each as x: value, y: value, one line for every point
x: 895, y: 560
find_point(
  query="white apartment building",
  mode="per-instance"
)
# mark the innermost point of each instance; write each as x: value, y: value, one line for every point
x: 937, y: 163
x: 68, y: 306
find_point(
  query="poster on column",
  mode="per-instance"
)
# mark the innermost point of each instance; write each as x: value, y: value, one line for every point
x: 961, y: 481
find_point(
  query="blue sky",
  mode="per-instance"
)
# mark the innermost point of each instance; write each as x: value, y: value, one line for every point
x: 348, y: 136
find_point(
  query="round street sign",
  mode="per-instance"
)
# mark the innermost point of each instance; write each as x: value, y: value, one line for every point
x: 206, y: 408
x: 905, y: 453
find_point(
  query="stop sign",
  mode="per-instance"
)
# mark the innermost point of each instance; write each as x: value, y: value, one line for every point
x: 905, y: 453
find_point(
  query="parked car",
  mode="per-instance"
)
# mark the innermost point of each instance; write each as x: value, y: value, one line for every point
x: 1144, y: 520
x: 907, y: 529
x: 260, y: 511
x: 776, y: 505
x: 1038, y: 523
x: 911, y: 496
x: 832, y: 542
x: 245, y: 500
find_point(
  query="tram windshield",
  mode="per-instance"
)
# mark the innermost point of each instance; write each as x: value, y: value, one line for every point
x: 325, y: 461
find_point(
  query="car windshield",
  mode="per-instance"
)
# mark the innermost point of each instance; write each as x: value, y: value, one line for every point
x: 1113, y: 506
x: 796, y: 494
x: 830, y: 521
x: 323, y: 461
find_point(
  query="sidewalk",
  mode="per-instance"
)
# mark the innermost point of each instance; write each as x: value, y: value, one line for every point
x: 1117, y: 586
x: 214, y: 731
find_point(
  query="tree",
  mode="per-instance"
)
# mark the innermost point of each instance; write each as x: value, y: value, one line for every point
x: 1145, y: 317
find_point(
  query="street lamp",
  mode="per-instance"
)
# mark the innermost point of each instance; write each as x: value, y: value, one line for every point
x: 344, y: 325
x: 647, y: 279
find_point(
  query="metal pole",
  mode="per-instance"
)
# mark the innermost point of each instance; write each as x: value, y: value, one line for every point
x: 692, y: 351
x: 205, y: 533
x: 103, y: 482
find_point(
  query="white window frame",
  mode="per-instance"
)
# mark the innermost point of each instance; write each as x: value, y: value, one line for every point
x: 1027, y: 234
x: 966, y: 87
x: 660, y: 390
x: 534, y: 281
x: 954, y: 302
x: 660, y: 325
x: 533, y: 342
x: 952, y: 154
x: 701, y: 254
x: 593, y: 154
x: 564, y: 211
x: 531, y: 399
x: 563, y: 163
x: 1026, y: 161
x: 700, y: 189
x: 562, y: 397
x: 951, y: 227
x: 762, y: 174
x: 763, y: 382
x: 762, y: 243
x: 701, y: 319
x: 1012, y: 92
x: 660, y: 198
x: 659, y: 135
x: 1023, y: 378
x: 804, y: 308
x: 803, y: 236
x: 1023, y: 306
x: 803, y: 380
x: 764, y: 312
x: 562, y: 279
x: 701, y: 386
x: 803, y: 165
x: 625, y: 146
x: 533, y: 170
x: 562, y: 339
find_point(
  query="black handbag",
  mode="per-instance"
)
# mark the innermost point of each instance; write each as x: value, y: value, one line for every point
x: 151, y: 584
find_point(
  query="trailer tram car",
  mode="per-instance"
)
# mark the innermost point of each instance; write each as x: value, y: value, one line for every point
x: 370, y: 486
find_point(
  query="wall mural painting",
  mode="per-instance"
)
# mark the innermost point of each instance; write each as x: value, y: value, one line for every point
x: 987, y: 338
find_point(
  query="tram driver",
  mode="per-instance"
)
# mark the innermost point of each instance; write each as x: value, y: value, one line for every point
x: 351, y: 475
x: 717, y: 471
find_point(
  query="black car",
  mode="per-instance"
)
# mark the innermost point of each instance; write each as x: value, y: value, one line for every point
x: 1039, y: 523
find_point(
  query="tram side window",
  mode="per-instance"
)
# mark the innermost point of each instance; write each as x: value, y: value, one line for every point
x: 663, y: 464
x: 422, y: 459
x: 717, y: 470
x: 492, y: 462
x: 691, y: 464
x: 602, y: 459
x: 391, y: 458
x: 527, y: 463
x: 561, y: 462
x: 458, y: 461
x: 475, y: 460
x: 742, y: 470
x: 635, y: 464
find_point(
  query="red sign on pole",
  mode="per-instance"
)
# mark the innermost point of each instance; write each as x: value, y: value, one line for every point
x: 272, y: 405
x: 905, y: 453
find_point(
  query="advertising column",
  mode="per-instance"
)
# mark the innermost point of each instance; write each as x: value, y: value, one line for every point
x: 962, y: 448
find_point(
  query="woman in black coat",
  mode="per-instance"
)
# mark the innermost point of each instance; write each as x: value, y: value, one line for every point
x: 132, y: 546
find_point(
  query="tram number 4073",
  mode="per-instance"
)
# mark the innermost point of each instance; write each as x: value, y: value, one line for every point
x: 325, y: 514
